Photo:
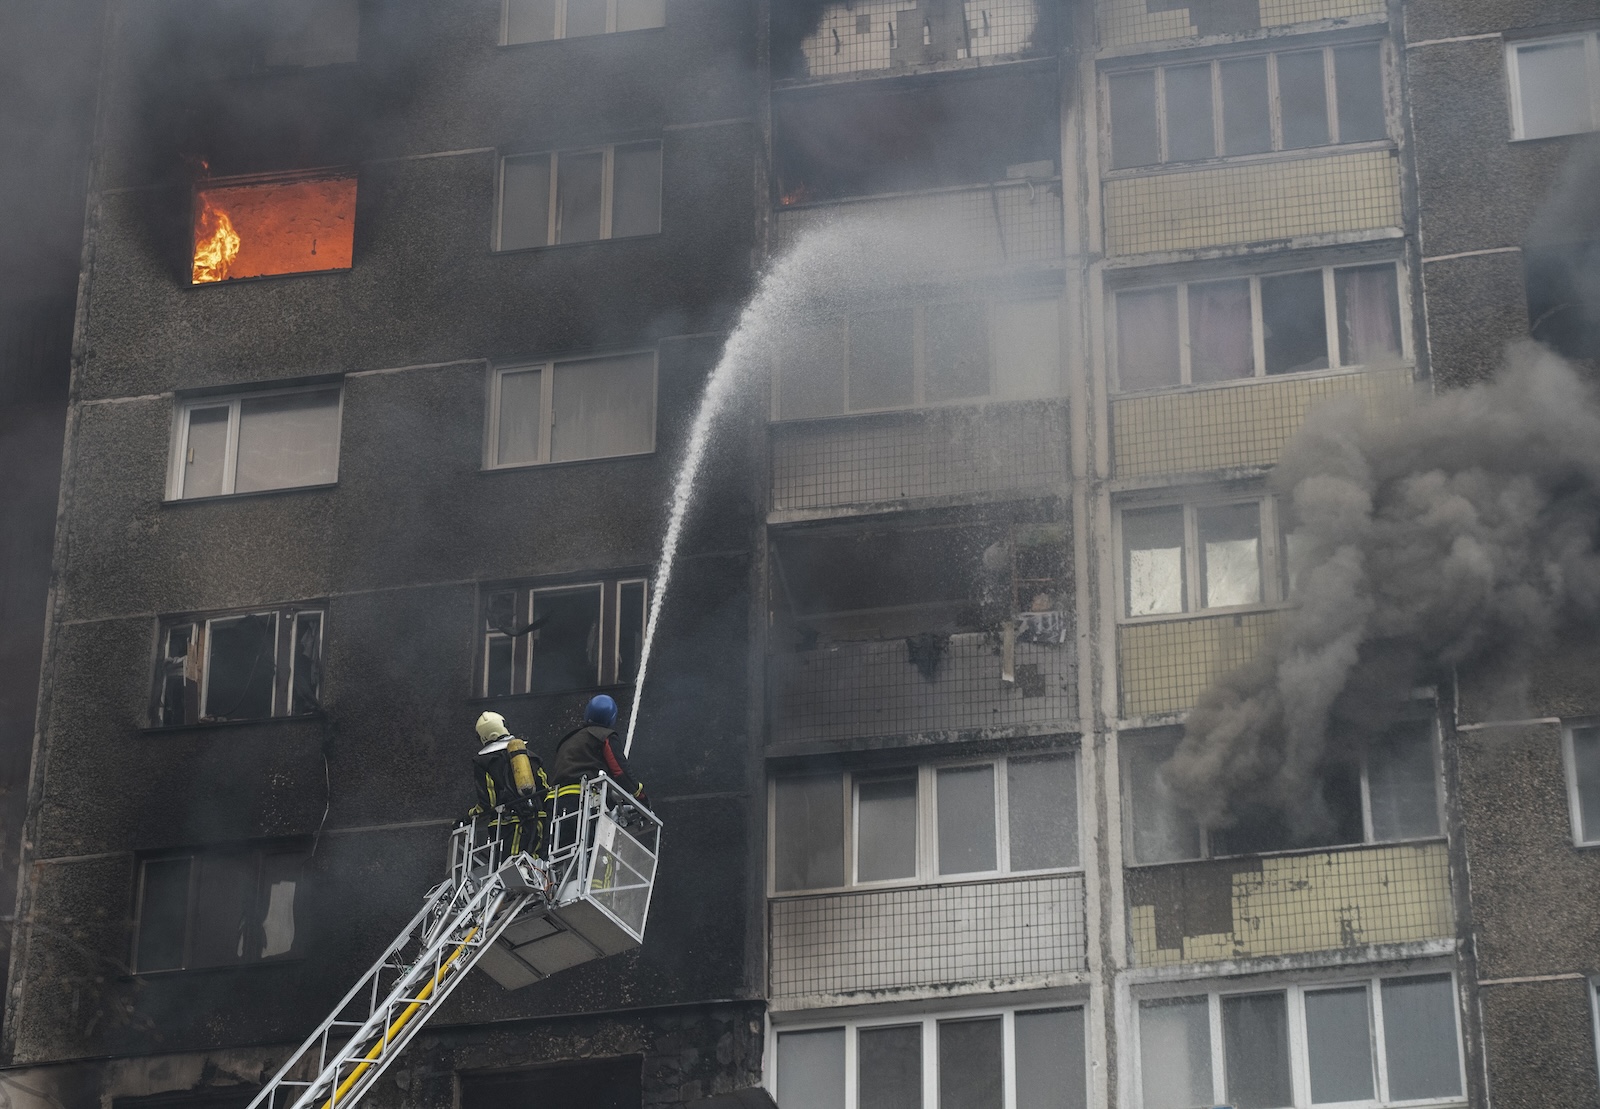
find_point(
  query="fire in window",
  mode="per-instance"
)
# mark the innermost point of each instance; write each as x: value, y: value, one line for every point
x: 557, y: 639
x: 217, y: 908
x: 238, y: 666
x: 260, y: 227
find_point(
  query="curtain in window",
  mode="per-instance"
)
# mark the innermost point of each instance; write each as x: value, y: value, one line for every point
x: 1147, y: 338
x: 1220, y: 343
x: 1369, y: 315
x: 289, y: 439
x: 604, y: 407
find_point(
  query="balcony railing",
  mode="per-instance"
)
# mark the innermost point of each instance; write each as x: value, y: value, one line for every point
x: 1022, y: 931
x: 955, y: 684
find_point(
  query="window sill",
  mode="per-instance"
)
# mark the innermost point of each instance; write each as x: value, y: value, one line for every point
x: 1292, y: 852
x: 512, y: 250
x: 601, y: 36
x: 909, y: 194
x: 267, y: 277
x: 953, y: 880
x: 1520, y: 139
x: 1265, y: 157
x: 522, y: 467
x: 1246, y: 382
x: 255, y: 964
x: 887, y: 415
x: 174, y: 501
x: 164, y: 729
x: 1202, y: 614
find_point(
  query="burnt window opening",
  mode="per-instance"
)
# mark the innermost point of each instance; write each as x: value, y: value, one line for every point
x: 866, y: 36
x: 561, y: 638
x: 218, y: 908
x: 595, y: 1084
x: 888, y: 583
x: 238, y: 666
x: 273, y: 225
x: 1386, y: 791
x: 837, y: 143
x: 1563, y: 284
x: 911, y: 356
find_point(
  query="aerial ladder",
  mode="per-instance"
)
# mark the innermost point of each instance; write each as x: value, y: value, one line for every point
x: 520, y: 918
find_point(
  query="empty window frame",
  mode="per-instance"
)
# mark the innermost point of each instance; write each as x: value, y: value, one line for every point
x: 560, y: 638
x: 1581, y: 745
x: 217, y: 908
x: 252, y: 442
x: 1206, y: 555
x: 543, y: 20
x: 579, y: 196
x: 1389, y: 793
x: 924, y: 824
x: 1367, y: 1041
x: 1247, y: 105
x: 1555, y: 85
x: 911, y: 356
x: 571, y: 410
x: 1022, y: 1058
x: 1232, y: 328
x: 250, y: 665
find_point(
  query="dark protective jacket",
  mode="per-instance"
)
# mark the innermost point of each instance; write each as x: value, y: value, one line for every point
x: 588, y: 752
x: 498, y: 792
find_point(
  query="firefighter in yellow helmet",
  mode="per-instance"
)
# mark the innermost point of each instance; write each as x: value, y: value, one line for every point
x: 511, y: 787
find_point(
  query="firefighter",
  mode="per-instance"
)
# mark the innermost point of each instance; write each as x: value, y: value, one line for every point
x: 587, y: 752
x: 512, y: 786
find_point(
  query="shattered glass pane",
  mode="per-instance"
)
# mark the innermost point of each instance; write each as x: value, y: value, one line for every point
x: 1255, y: 1041
x: 502, y: 651
x: 886, y: 829
x: 305, y: 685
x: 1339, y: 1045
x: 205, y: 459
x: 1153, y: 540
x: 811, y: 1069
x: 163, y: 914
x: 808, y: 833
x: 288, y: 440
x: 1230, y: 555
x: 889, y: 1063
x: 578, y: 178
x: 566, y: 647
x: 1358, y: 76
x: 1419, y: 1033
x: 1402, y: 785
x: 1147, y: 339
x: 521, y: 418
x: 1051, y: 1068
x: 525, y: 201
x: 971, y: 1064
x: 1175, y: 1052
x: 1161, y: 830
x: 630, y: 629
x: 1135, y: 140
x: 966, y: 820
x: 636, y: 190
x: 1302, y: 99
x: 1294, y: 326
x: 530, y: 20
x: 1189, y: 128
x: 1246, y: 114
x: 241, y: 667
x: 1042, y: 804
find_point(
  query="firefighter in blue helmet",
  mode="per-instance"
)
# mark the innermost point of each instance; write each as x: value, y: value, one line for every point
x: 512, y: 787
x: 587, y: 752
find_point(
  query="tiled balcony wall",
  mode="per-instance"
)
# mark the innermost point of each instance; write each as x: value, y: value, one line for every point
x: 1128, y: 23
x: 1164, y: 666
x: 1018, y: 931
x: 897, y: 36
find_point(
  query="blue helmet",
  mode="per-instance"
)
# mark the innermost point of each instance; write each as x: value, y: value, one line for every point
x: 602, y: 710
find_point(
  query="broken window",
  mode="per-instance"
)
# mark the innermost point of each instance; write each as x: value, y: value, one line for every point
x: 243, y: 666
x: 254, y: 442
x: 1202, y: 332
x: 1037, y: 1053
x: 1007, y: 816
x: 912, y: 356
x: 1250, y: 105
x: 1555, y: 85
x: 576, y: 196
x: 615, y: 1083
x: 1324, y: 1040
x: 261, y: 227
x: 1387, y: 792
x: 1583, y: 782
x: 1182, y: 558
x: 572, y: 410
x: 564, y: 638
x: 542, y: 20
x: 818, y: 40
x: 217, y: 908
x: 1563, y: 285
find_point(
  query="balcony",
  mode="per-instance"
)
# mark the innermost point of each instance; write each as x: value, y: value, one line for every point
x: 873, y: 37
x: 1346, y: 900
x: 1017, y: 932
x: 1127, y: 25
x: 924, y: 684
x: 931, y: 455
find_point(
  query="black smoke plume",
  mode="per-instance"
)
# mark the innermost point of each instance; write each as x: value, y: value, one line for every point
x: 1463, y: 532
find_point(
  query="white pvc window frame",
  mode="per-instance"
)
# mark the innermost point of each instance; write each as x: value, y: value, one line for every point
x: 233, y: 402
x: 1298, y: 1038
x: 1569, y: 762
x: 1273, y: 556
x: 1591, y: 45
x: 1258, y: 344
x: 927, y: 831
x: 561, y: 24
x: 608, y: 152
x: 929, y: 1024
x: 546, y: 369
x: 525, y: 654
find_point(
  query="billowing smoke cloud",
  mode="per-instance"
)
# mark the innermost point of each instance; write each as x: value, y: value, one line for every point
x: 1461, y: 532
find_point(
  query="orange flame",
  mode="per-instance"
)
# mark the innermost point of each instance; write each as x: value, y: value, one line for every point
x: 216, y: 243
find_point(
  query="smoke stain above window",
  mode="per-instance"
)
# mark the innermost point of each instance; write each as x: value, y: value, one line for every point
x: 261, y: 228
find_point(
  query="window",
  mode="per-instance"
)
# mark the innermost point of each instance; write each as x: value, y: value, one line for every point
x: 1583, y: 782
x: 1008, y: 816
x: 238, y: 666
x: 1555, y: 85
x: 1027, y: 1058
x: 1193, y: 557
x: 267, y: 226
x: 217, y: 908
x: 255, y: 442
x: 1372, y: 1041
x: 592, y: 1084
x: 1200, y: 332
x: 542, y: 20
x: 555, y: 639
x: 578, y: 196
x: 573, y: 410
x: 1388, y: 793
x: 913, y: 356
x: 1250, y: 105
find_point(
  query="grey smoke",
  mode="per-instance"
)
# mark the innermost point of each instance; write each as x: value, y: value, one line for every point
x: 1460, y: 533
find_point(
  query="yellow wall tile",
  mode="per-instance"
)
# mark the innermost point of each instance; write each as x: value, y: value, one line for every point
x: 1131, y: 22
x: 1165, y: 666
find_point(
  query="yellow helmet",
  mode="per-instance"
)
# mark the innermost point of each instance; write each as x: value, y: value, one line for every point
x: 491, y: 726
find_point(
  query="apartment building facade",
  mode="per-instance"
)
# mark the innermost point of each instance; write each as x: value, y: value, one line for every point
x: 964, y: 560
